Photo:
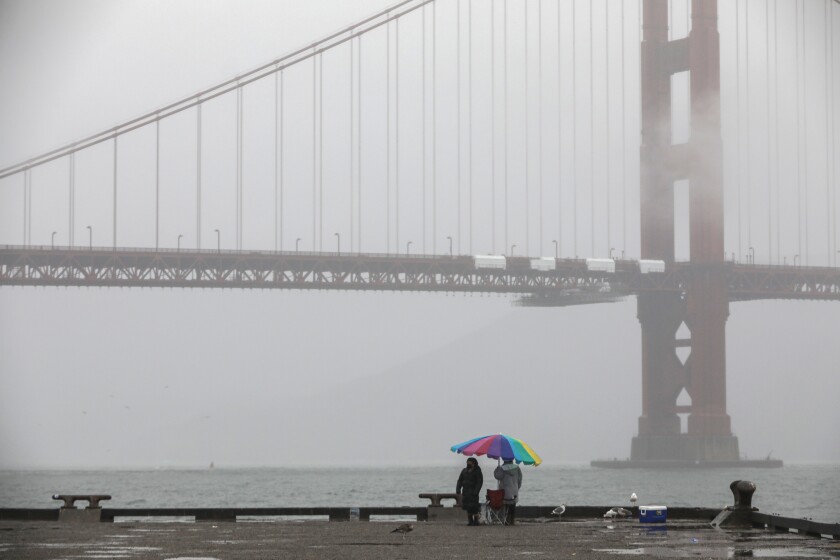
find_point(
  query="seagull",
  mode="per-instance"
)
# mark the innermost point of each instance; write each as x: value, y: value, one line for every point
x: 559, y: 510
x: 619, y: 513
x: 633, y: 498
x: 404, y: 528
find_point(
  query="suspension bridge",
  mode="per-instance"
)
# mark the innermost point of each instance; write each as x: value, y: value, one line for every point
x: 568, y: 152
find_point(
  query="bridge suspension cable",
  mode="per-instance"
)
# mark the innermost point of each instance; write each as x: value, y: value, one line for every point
x: 332, y: 40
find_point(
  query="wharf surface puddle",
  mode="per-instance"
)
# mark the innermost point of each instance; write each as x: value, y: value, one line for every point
x: 728, y: 552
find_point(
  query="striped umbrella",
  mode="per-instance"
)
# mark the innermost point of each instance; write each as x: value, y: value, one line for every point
x: 499, y: 446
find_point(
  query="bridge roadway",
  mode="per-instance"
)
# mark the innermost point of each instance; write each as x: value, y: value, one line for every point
x: 570, y: 283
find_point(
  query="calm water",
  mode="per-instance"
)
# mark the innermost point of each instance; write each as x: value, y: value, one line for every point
x: 794, y: 491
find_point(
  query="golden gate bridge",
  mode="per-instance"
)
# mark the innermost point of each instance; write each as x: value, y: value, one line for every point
x: 567, y: 152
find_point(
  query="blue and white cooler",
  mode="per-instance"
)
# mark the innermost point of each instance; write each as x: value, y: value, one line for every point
x: 653, y: 514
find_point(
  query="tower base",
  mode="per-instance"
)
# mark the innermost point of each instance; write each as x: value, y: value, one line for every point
x: 677, y: 451
x: 684, y: 447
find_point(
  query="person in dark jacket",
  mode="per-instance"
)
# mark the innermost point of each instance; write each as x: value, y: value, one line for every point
x: 469, y: 485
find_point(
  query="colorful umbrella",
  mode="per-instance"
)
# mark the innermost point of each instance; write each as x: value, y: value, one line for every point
x: 499, y: 446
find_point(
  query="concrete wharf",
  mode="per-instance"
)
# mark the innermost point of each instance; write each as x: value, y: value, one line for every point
x: 540, y: 538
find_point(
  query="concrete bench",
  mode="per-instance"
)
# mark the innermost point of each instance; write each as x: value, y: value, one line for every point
x: 436, y: 497
x: 70, y: 500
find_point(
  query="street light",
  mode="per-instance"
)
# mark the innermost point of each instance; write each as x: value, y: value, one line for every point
x: 450, y: 245
x: 407, y: 248
x: 512, y: 247
x: 297, y: 244
x: 179, y: 241
x: 338, y: 240
x: 218, y: 241
x: 90, y: 237
x: 795, y: 258
x: 52, y: 241
x: 752, y: 255
x: 556, y: 250
x: 611, y: 251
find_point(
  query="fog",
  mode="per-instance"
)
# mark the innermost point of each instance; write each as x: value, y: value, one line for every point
x: 181, y: 378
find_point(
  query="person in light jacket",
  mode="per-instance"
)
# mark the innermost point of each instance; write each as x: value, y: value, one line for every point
x: 509, y: 476
x: 469, y: 485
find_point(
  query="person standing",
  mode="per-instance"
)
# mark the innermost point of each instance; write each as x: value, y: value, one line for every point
x: 469, y: 485
x: 509, y: 476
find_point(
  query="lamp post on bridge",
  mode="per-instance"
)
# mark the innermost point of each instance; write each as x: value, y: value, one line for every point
x: 338, y: 240
x: 407, y: 248
x: 179, y: 241
x: 556, y: 250
x: 512, y: 247
x: 450, y: 244
x: 752, y: 255
x: 795, y: 259
x: 218, y: 241
x: 297, y: 244
x: 611, y: 251
x: 90, y: 238
x: 52, y: 240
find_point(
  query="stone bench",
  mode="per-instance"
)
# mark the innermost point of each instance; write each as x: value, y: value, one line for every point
x: 436, y: 497
x: 70, y: 500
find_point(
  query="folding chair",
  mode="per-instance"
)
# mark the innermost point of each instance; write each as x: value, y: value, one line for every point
x: 494, y: 511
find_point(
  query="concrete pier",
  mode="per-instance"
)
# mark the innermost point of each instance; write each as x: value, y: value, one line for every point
x: 581, y: 539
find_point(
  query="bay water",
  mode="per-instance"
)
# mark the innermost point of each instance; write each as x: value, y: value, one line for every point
x: 796, y: 490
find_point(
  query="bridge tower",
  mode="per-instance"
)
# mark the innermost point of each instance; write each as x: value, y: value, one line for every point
x: 697, y: 320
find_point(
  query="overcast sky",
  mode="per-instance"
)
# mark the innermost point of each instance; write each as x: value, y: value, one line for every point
x: 109, y: 377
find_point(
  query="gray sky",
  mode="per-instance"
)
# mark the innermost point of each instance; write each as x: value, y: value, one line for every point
x: 180, y: 378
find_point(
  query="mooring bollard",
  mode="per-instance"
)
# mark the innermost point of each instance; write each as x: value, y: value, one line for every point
x: 738, y: 514
x: 69, y: 512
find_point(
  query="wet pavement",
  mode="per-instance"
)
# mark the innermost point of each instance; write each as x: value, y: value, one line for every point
x: 374, y: 540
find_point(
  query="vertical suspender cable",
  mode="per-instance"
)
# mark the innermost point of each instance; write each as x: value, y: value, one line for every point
x: 276, y: 149
x: 434, y: 128
x: 25, y: 205
x: 157, y: 184
x: 238, y: 165
x: 607, y: 117
x: 591, y: 134
x: 423, y: 141
x: 423, y: 118
x: 623, y: 141
x: 198, y: 176
x: 805, y: 133
x: 505, y: 124
x: 282, y: 171
x: 574, y: 128
x: 469, y: 119
x: 458, y: 113
x: 767, y: 123
x: 116, y: 138
x: 397, y: 138
x: 829, y: 249
x: 352, y: 132
x: 539, y: 119
x: 314, y: 153
x: 388, y: 135
x: 493, y: 125
x: 748, y: 128
x: 776, y: 128
x: 527, y: 140
x: 559, y: 246
x: 798, y: 141
x: 833, y: 136
x: 72, y: 206
x: 639, y: 38
x: 359, y: 147
x: 321, y: 152
x: 738, y: 116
